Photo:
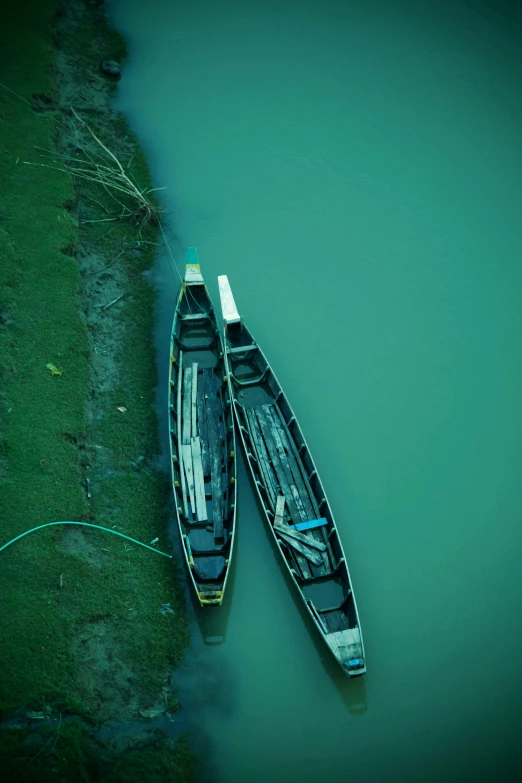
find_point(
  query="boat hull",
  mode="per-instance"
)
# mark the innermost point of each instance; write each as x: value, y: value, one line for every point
x: 291, y: 493
x: 202, y: 442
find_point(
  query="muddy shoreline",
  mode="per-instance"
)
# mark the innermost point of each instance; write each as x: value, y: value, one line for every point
x: 95, y: 700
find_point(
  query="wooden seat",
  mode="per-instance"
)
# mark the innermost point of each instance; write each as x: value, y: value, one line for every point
x: 203, y: 540
x: 242, y: 349
x: 194, y: 316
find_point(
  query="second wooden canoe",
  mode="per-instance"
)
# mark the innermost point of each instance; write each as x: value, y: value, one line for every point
x: 290, y: 490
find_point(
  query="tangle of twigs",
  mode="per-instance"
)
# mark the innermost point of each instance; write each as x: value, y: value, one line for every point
x: 103, y: 167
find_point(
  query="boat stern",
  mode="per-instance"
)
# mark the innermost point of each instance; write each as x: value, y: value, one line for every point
x: 192, y: 268
x: 348, y: 649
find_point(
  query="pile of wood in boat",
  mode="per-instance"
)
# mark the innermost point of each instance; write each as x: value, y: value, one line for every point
x: 296, y: 515
x: 203, y: 461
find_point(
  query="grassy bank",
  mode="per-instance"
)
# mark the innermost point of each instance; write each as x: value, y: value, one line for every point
x: 82, y: 631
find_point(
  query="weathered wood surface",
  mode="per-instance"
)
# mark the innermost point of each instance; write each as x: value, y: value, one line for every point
x: 297, y: 562
x: 199, y: 481
x: 279, y: 469
x: 242, y: 348
x: 283, y: 440
x: 321, y: 533
x: 262, y: 457
x: 272, y: 483
x: 308, y: 540
x: 311, y: 554
x: 280, y: 512
x: 194, y: 316
x: 284, y: 474
x: 186, y: 452
x: 194, y: 393
x: 292, y: 462
x: 202, y: 428
x: 215, y: 451
x: 316, y: 614
x: 180, y: 461
x: 187, y: 414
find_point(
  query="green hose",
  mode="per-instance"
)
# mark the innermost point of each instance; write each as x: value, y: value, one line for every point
x: 84, y: 524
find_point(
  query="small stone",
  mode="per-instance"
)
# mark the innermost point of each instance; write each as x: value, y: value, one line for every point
x: 140, y: 460
x: 111, y: 68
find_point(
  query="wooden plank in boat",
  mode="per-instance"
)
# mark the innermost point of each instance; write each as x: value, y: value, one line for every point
x: 263, y: 460
x: 292, y: 463
x: 194, y: 431
x: 242, y: 348
x: 308, y: 540
x: 280, y: 512
x: 180, y: 458
x: 321, y: 531
x: 194, y: 316
x: 283, y: 472
x: 199, y: 481
x: 312, y: 523
x: 276, y: 462
x: 296, y: 561
x: 187, y: 398
x: 282, y: 456
x: 299, y: 490
x: 311, y: 554
x: 302, y: 507
x: 318, y: 616
x: 187, y: 464
x: 300, y: 562
x: 215, y: 448
x: 202, y: 428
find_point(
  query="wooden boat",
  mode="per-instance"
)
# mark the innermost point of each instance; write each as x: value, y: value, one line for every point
x: 290, y: 491
x: 202, y: 440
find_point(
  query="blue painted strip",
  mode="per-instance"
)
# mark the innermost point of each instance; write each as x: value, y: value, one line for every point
x: 191, y: 256
x: 311, y: 524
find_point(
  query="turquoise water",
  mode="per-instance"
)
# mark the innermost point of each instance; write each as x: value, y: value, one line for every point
x: 356, y: 170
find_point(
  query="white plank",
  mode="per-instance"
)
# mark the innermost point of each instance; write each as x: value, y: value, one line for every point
x: 187, y: 464
x: 194, y: 398
x: 199, y: 481
x: 180, y: 457
x: 280, y: 511
x: 228, y: 306
x: 187, y: 400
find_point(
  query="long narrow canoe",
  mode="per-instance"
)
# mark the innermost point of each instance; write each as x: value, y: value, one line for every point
x: 290, y: 491
x: 202, y: 440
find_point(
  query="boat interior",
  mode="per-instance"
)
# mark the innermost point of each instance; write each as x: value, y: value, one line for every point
x: 283, y: 469
x: 202, y: 442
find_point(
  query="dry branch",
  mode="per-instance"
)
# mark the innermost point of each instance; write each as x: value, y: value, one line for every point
x: 101, y: 166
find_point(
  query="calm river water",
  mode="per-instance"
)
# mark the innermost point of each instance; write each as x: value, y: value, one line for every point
x: 356, y: 170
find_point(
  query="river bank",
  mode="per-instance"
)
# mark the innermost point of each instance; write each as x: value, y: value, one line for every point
x: 85, y: 642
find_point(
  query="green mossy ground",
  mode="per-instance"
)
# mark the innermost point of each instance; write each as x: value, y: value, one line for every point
x: 81, y: 626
